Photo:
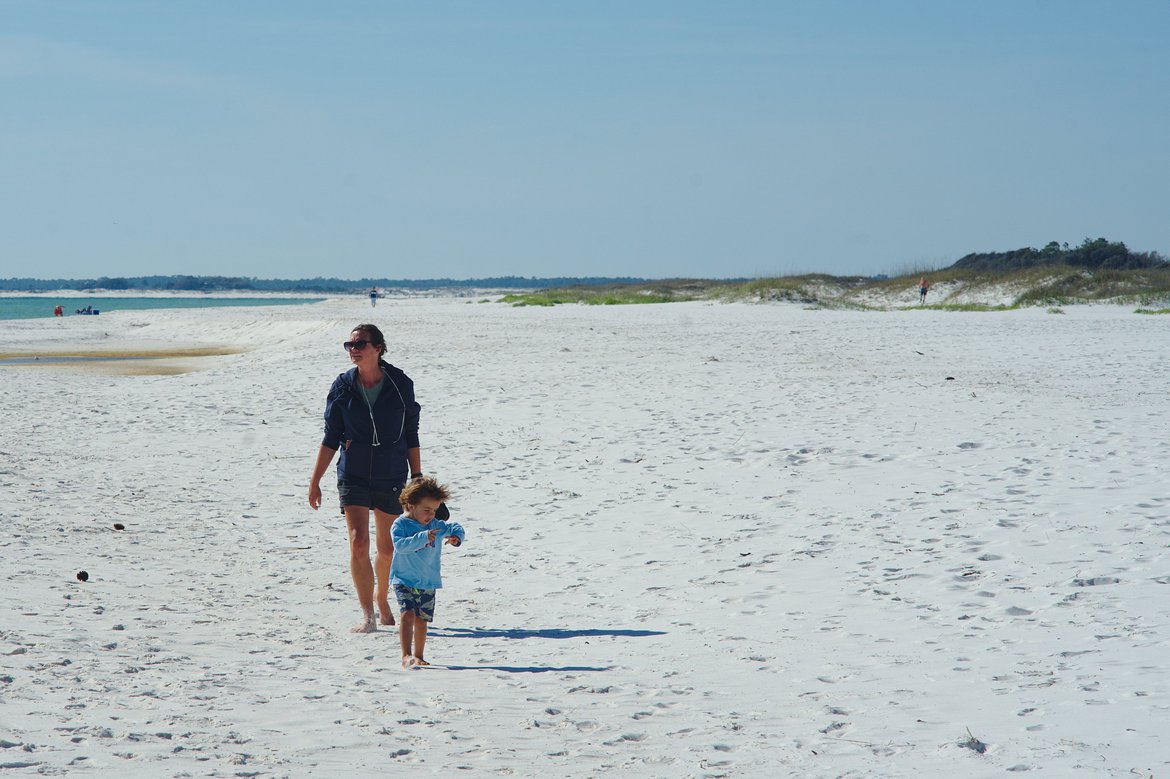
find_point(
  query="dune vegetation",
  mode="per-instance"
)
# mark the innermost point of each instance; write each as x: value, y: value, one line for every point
x: 951, y: 290
x: 1096, y: 271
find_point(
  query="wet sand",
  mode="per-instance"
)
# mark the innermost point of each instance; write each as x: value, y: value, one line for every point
x: 128, y: 362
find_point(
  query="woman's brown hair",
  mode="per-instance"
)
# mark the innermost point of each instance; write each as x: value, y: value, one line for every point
x: 374, y: 336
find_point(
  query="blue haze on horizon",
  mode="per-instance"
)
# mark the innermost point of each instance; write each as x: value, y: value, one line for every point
x: 294, y: 139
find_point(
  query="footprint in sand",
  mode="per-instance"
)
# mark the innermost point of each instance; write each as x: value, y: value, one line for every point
x: 626, y: 738
x: 1096, y: 581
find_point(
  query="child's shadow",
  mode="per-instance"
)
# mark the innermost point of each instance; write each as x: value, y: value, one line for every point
x: 543, y: 633
x: 523, y: 669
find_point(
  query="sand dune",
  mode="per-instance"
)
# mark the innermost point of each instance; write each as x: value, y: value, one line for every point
x: 703, y: 540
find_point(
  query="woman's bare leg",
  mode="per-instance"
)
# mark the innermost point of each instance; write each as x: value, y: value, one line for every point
x: 385, y: 556
x: 357, y: 518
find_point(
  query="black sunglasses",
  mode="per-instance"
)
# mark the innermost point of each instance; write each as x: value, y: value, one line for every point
x: 359, y: 344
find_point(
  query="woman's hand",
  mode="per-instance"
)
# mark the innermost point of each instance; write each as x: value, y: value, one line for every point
x: 324, y: 457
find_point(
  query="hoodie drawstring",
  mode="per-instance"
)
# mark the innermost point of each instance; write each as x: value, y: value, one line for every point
x: 370, y: 408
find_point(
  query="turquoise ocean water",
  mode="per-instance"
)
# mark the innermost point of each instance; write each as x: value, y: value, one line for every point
x: 38, y: 307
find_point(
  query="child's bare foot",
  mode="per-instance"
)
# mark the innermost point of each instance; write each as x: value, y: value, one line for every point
x: 409, y: 661
x: 368, y: 625
x: 420, y: 661
x: 385, y: 615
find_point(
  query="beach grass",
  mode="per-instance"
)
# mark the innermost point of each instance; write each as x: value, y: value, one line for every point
x: 977, y: 307
x: 667, y: 291
x: 961, y: 290
x: 1072, y: 285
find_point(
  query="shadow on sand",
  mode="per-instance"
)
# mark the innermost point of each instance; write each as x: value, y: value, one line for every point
x: 545, y: 633
x: 523, y: 669
x: 559, y: 633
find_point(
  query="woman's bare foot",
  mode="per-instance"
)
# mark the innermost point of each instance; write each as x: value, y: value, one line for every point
x: 420, y: 661
x: 368, y: 625
x: 409, y: 661
x: 385, y: 615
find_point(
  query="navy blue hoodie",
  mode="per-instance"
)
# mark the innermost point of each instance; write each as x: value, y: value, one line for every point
x: 373, y: 444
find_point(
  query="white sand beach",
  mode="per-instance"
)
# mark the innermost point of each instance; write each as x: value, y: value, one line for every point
x: 703, y: 540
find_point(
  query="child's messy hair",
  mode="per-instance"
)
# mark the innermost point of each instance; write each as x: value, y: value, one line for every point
x: 426, y: 487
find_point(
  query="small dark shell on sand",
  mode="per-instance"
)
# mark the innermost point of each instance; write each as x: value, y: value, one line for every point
x: 82, y: 576
x: 119, y: 526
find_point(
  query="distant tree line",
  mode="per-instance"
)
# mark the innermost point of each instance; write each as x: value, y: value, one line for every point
x: 321, y: 285
x: 1093, y: 253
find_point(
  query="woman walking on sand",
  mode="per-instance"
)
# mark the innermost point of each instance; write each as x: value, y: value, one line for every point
x: 372, y: 417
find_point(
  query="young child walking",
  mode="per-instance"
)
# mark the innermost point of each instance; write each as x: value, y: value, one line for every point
x: 418, y: 540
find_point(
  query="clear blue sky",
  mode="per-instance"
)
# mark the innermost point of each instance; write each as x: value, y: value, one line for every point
x: 464, y: 139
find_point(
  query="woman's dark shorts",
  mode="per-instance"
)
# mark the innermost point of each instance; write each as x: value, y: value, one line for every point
x: 385, y: 501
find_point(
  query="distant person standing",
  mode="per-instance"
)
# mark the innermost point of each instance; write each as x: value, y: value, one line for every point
x: 373, y: 297
x: 372, y: 417
x: 923, y: 287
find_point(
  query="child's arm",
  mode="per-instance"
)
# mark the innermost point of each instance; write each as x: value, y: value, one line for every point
x: 405, y: 542
x: 454, y: 533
